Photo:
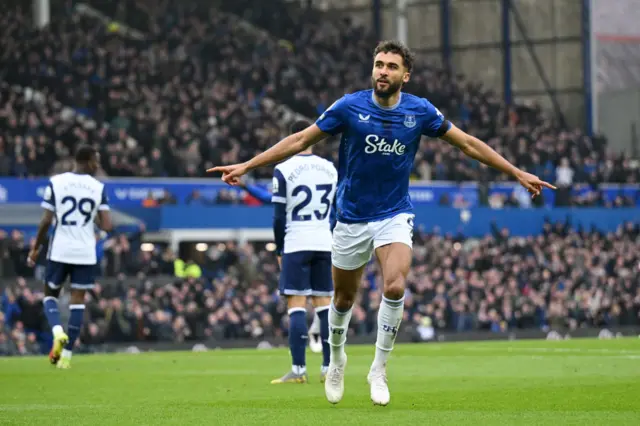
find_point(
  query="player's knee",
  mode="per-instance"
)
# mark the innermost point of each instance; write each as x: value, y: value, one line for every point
x: 394, y: 287
x: 320, y: 301
x: 50, y: 291
x: 344, y: 300
x: 346, y: 283
x: 77, y: 297
x: 296, y: 302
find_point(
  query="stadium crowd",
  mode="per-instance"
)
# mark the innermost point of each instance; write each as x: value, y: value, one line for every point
x: 564, y: 278
x: 200, y: 88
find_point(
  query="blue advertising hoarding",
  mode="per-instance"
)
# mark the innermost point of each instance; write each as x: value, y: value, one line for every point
x: 130, y: 192
x: 121, y: 192
x: 474, y: 222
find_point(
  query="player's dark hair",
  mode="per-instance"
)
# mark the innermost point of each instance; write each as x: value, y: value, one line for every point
x: 397, y: 47
x: 85, y: 153
x: 298, y: 126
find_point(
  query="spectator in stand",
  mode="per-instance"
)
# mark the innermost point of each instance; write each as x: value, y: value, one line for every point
x: 564, y: 182
x: 563, y: 278
x: 200, y: 89
x: 195, y: 92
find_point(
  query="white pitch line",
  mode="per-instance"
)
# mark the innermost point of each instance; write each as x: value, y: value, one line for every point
x: 44, y: 407
x: 560, y: 350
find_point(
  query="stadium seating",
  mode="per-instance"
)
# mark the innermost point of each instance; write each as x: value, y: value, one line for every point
x: 562, y: 278
x: 163, y: 119
x: 202, y: 87
x: 194, y: 89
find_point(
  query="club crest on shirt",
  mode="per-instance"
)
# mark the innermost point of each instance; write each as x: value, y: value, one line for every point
x: 410, y: 121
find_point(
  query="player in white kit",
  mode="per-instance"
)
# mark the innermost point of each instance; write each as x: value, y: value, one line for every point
x: 73, y: 199
x: 304, y: 188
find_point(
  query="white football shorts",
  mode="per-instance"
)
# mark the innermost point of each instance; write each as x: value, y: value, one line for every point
x: 354, y: 243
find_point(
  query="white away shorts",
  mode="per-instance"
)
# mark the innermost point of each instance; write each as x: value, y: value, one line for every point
x: 354, y: 243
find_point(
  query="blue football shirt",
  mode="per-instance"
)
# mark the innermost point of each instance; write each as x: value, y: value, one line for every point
x: 377, y: 151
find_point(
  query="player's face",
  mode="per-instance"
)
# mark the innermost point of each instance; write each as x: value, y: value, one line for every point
x: 389, y: 74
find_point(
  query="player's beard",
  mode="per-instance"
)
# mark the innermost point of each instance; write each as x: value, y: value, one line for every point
x: 388, y: 91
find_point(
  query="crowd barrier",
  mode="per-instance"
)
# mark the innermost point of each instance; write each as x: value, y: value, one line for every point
x: 132, y: 191
x: 472, y: 222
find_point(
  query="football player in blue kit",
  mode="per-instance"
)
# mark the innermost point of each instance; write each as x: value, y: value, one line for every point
x: 381, y: 130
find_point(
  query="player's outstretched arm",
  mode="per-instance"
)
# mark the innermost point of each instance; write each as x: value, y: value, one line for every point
x: 478, y: 150
x: 287, y: 147
x: 261, y: 194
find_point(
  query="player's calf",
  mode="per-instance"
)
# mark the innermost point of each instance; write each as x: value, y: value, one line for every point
x: 298, y: 339
x: 337, y: 330
x: 50, y: 305
x: 52, y: 313
x: 322, y: 305
x: 395, y: 260
x: 76, y: 317
x: 390, y: 315
x: 73, y: 329
x: 323, y: 315
x: 346, y: 283
x: 389, y: 318
x: 315, y: 341
x: 298, y: 336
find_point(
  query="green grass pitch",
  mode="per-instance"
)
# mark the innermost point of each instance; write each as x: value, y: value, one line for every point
x: 575, y: 382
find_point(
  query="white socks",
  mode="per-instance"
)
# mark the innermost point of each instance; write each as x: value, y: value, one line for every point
x: 315, y: 325
x: 389, y: 318
x: 57, y: 329
x: 66, y: 353
x: 338, y: 328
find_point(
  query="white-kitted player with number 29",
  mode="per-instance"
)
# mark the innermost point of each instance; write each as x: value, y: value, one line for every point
x: 73, y: 199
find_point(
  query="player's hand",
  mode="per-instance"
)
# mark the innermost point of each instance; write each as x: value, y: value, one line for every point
x: 280, y: 262
x: 32, y: 257
x: 533, y: 183
x: 230, y: 174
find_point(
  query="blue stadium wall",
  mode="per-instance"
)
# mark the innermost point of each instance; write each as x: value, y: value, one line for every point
x: 472, y: 222
x: 126, y: 195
